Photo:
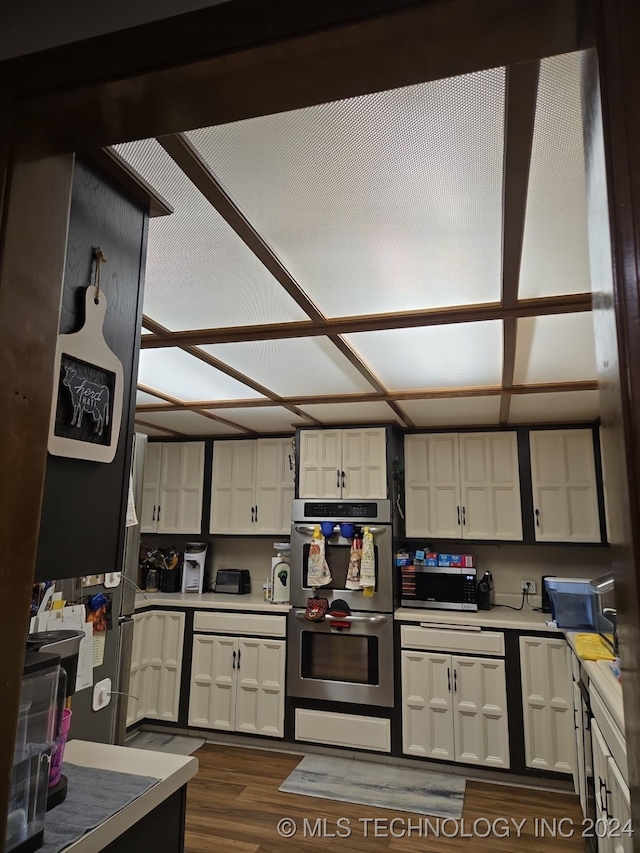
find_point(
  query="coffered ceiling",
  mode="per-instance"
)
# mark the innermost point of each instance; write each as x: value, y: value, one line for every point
x: 416, y: 255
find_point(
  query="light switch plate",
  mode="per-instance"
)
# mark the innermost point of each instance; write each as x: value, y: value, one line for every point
x: 101, y: 694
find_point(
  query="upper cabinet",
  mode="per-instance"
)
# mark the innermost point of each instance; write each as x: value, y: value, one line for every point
x: 343, y: 463
x: 252, y: 486
x: 565, y: 494
x: 172, y: 487
x: 463, y: 486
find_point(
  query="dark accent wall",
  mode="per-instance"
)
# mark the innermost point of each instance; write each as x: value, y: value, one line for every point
x: 82, y: 522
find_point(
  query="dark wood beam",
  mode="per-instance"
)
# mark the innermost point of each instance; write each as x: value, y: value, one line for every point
x: 509, y: 329
x: 520, y: 110
x: 233, y: 61
x: 33, y: 238
x: 388, y: 397
x: 189, y: 160
x: 539, y: 307
x: 176, y: 404
x: 131, y: 182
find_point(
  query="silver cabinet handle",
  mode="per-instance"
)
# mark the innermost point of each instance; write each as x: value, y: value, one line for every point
x: 374, y: 620
x: 309, y: 528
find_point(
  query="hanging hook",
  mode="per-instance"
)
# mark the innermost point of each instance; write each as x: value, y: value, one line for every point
x: 99, y: 259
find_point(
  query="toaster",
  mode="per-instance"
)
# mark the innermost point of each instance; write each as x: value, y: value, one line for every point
x: 234, y: 581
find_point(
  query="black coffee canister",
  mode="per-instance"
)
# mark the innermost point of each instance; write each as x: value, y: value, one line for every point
x: 170, y: 579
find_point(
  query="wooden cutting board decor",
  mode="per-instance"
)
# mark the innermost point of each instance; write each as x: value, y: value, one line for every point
x: 86, y: 408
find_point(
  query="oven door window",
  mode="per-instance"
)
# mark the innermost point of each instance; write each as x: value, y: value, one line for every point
x: 337, y: 557
x: 351, y: 658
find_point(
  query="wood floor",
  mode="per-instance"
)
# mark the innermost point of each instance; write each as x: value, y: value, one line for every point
x: 234, y: 805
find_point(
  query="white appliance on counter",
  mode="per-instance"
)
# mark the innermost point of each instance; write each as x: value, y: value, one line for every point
x: 195, y: 555
x: 279, y: 583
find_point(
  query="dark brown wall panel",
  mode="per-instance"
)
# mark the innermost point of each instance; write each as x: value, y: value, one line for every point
x: 83, y: 508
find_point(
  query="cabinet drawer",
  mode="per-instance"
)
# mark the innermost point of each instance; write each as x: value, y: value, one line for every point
x: 474, y: 642
x: 349, y: 730
x: 241, y: 623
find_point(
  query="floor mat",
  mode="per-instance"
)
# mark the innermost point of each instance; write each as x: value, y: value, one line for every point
x: 383, y: 785
x: 160, y: 742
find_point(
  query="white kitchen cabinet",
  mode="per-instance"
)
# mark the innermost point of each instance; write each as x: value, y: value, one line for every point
x: 565, y: 495
x: 463, y: 486
x: 172, y: 487
x: 454, y: 708
x: 548, y: 704
x: 237, y: 684
x: 343, y: 463
x: 252, y: 486
x: 613, y: 805
x: 156, y: 666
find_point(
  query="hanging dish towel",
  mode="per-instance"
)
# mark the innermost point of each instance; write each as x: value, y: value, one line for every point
x: 368, y: 565
x: 353, y: 572
x: 318, y: 573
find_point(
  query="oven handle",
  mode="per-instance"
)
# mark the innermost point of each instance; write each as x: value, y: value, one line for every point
x: 378, y: 620
x: 309, y: 528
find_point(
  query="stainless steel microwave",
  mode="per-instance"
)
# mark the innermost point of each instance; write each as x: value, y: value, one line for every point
x: 438, y: 588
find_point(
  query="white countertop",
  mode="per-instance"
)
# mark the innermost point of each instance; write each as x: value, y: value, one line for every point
x: 498, y: 617
x: 605, y: 682
x: 252, y: 601
x: 173, y: 771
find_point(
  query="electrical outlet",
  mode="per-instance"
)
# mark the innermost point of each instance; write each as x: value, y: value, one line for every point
x: 101, y: 694
x: 528, y: 586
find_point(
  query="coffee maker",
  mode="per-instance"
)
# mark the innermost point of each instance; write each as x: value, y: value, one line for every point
x: 485, y: 592
x: 195, y: 555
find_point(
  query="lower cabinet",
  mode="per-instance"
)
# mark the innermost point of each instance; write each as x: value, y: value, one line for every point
x: 548, y: 704
x: 454, y: 708
x: 156, y: 666
x: 237, y: 684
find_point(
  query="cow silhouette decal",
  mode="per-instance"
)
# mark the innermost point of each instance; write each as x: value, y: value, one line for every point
x: 87, y: 397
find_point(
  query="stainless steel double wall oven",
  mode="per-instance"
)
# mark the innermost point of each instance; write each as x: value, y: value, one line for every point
x: 351, y: 664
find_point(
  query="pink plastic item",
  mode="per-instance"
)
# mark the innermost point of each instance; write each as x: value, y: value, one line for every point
x: 57, y: 752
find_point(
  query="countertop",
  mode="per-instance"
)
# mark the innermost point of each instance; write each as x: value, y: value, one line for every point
x: 173, y: 771
x: 253, y: 601
x: 498, y: 617
x: 605, y: 682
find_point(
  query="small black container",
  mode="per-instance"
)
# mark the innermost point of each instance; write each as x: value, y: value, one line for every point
x: 170, y: 579
x: 484, y: 592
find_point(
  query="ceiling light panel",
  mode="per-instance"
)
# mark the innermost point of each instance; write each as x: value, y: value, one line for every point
x: 293, y: 366
x: 199, y: 273
x: 147, y: 430
x: 555, y: 256
x: 189, y: 423
x: 351, y: 413
x: 379, y: 203
x: 453, y: 411
x: 263, y: 419
x: 458, y: 355
x: 557, y: 348
x: 576, y: 406
x: 185, y: 377
x: 142, y: 397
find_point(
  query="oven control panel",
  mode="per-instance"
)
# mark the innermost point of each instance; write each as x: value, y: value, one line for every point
x: 340, y: 510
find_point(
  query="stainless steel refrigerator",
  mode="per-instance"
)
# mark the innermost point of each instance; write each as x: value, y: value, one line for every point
x: 108, y: 725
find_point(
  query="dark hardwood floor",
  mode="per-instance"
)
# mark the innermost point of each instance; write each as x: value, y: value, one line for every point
x: 234, y: 805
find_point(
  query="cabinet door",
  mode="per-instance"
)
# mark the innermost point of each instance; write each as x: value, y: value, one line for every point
x: 547, y: 699
x: 427, y: 711
x: 481, y: 728
x: 619, y: 810
x: 150, y: 487
x: 274, y: 485
x: 564, y: 486
x: 432, y: 492
x: 320, y: 463
x: 364, y: 463
x: 136, y: 704
x: 260, y: 687
x: 601, y: 756
x: 490, y: 486
x: 212, y: 697
x: 233, y: 487
x: 181, y: 486
x: 164, y: 637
